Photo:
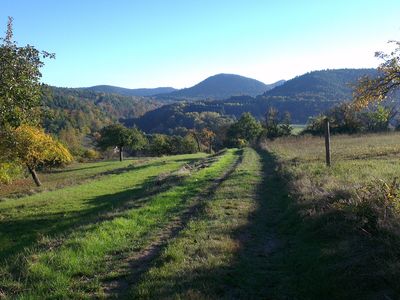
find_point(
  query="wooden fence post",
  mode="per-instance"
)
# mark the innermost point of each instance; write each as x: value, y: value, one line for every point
x: 327, y: 143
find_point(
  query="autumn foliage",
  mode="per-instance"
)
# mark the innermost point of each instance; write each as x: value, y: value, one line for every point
x: 372, y: 90
x: 32, y: 147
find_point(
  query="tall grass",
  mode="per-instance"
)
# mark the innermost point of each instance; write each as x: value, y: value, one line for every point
x: 348, y: 215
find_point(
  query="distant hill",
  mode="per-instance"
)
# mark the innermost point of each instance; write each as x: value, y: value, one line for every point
x: 88, y: 111
x: 221, y: 86
x: 325, y: 85
x: 109, y: 89
x: 303, y: 97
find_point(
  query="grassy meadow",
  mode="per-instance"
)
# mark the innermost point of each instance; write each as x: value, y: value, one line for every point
x: 72, y: 174
x: 266, y: 223
x: 342, y: 221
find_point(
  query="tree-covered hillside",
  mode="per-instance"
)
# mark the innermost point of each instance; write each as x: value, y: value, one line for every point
x: 109, y: 89
x: 221, y: 86
x: 325, y: 85
x: 303, y: 97
x: 178, y: 118
x: 88, y: 111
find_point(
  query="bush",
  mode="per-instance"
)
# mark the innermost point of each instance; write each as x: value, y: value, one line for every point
x: 345, y: 119
x: 377, y: 206
x: 9, y: 171
x: 160, y: 144
x: 247, y: 128
x: 90, y: 154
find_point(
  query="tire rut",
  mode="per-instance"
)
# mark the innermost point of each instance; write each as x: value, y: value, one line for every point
x: 136, y: 264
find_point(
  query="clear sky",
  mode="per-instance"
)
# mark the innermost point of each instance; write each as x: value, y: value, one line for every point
x: 150, y: 43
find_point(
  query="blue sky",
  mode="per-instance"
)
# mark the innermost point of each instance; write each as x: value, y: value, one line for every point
x: 181, y: 42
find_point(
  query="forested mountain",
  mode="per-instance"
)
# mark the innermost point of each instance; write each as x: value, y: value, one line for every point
x: 170, y: 118
x: 303, y: 97
x: 109, y: 89
x: 88, y: 111
x: 221, y: 86
x: 325, y: 85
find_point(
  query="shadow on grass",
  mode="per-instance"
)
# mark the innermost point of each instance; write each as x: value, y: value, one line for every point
x: 142, y: 262
x: 312, y: 249
x: 57, y: 171
x: 17, y: 234
x: 70, y: 180
x: 287, y: 254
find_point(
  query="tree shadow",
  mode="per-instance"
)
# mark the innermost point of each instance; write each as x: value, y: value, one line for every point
x: 284, y: 254
x: 309, y: 249
x: 143, y: 261
x: 57, y: 171
x: 19, y: 233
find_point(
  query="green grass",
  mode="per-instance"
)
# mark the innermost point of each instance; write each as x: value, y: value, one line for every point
x: 355, y: 159
x: 72, y: 174
x: 209, y: 258
x: 343, y: 222
x: 243, y: 224
x: 298, y: 128
x: 27, y: 220
x: 73, y: 266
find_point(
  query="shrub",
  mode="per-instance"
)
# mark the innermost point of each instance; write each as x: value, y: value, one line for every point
x: 377, y: 205
x: 90, y: 154
x: 9, y: 171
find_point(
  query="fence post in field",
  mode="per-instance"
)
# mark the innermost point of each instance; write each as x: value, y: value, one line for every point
x: 327, y: 143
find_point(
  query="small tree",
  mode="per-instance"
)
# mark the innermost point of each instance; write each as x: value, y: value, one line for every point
x: 32, y: 147
x: 285, y: 127
x: 207, y: 136
x: 246, y: 130
x: 275, y: 126
x: 378, y: 119
x: 196, y: 136
x: 138, y: 140
x: 271, y: 123
x: 159, y: 144
x: 117, y: 135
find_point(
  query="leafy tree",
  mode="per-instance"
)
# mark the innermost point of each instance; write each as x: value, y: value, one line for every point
x: 189, y: 144
x: 316, y: 125
x: 275, y: 126
x: 32, y: 147
x: 246, y: 130
x: 378, y: 119
x: 271, y: 123
x: 344, y: 119
x: 19, y: 81
x: 159, y: 145
x: 196, y: 136
x: 138, y: 140
x: 207, y: 137
x: 376, y: 89
x: 286, y: 127
x: 117, y: 135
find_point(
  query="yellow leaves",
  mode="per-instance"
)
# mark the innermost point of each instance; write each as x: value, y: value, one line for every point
x: 32, y: 146
x: 370, y: 90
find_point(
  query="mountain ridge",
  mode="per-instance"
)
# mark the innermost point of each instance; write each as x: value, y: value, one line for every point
x: 141, y: 92
x: 222, y: 86
x: 303, y: 97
